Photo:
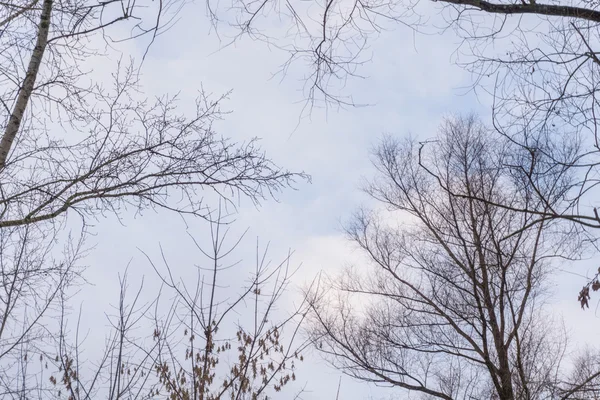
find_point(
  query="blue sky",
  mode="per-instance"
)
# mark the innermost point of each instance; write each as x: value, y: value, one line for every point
x: 411, y: 84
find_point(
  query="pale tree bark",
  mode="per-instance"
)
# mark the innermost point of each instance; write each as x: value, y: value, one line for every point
x: 14, y: 122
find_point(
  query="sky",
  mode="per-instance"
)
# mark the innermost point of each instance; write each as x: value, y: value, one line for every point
x: 411, y: 85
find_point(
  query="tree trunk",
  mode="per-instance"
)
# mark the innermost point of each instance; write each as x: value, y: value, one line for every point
x: 14, y: 122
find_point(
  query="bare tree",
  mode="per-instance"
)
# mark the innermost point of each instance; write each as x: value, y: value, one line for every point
x: 541, y: 55
x: 584, y: 379
x: 72, y: 142
x: 261, y: 358
x: 75, y: 144
x: 43, y: 45
x: 450, y: 302
x: 34, y: 277
x: 192, y: 340
x: 135, y: 156
x: 537, y: 60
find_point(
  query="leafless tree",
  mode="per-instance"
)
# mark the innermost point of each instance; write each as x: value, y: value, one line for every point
x: 34, y: 277
x: 538, y: 61
x: 76, y: 147
x: 450, y: 300
x: 261, y: 358
x: 582, y: 379
x: 192, y: 340
x: 135, y: 154
x: 134, y: 157
x: 540, y: 55
x: 43, y: 47
x: 72, y: 142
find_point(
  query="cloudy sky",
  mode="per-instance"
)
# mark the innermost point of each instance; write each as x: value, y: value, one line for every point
x: 410, y: 83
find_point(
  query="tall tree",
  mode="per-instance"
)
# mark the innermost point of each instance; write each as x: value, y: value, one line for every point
x: 76, y: 147
x: 450, y: 300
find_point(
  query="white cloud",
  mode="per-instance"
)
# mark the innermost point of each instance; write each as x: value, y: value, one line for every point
x: 411, y: 90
